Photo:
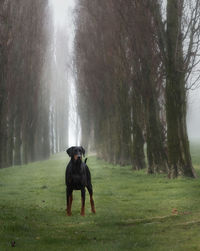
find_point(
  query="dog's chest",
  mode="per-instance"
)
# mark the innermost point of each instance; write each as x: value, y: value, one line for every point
x: 77, y: 175
x: 77, y: 170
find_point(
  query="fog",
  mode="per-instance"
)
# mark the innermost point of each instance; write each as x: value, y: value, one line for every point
x: 63, y: 85
x: 193, y: 118
x: 64, y: 23
x: 63, y: 16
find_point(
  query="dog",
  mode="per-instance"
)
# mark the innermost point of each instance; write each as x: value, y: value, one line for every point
x: 77, y: 177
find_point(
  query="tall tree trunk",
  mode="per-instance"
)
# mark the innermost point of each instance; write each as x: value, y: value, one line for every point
x: 157, y: 157
x: 138, y: 156
x: 124, y: 113
x: 178, y: 144
x: 25, y: 150
x: 17, y: 147
x: 10, y: 141
x: 85, y: 135
x: 3, y: 141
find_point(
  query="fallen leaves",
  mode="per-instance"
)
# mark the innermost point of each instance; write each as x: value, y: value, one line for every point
x: 176, y: 212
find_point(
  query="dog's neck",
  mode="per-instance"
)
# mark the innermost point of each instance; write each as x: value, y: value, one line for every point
x: 76, y: 166
x: 76, y: 163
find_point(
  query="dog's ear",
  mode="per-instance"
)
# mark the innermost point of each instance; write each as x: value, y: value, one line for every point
x: 83, y: 151
x: 70, y: 151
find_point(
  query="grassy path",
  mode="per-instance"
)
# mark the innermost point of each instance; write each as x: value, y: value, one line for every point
x: 134, y: 211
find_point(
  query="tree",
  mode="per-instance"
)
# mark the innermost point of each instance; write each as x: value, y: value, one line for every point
x: 182, y: 32
x: 26, y: 95
x: 119, y: 89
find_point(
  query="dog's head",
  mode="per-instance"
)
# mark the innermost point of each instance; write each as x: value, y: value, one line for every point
x: 76, y: 152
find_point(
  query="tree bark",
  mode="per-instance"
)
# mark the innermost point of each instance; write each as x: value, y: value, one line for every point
x: 156, y: 154
x: 138, y: 156
x: 17, y: 144
x: 178, y: 143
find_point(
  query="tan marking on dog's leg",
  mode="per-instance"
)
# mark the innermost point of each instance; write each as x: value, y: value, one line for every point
x: 92, y: 205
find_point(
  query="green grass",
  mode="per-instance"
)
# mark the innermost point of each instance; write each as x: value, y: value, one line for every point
x: 135, y: 211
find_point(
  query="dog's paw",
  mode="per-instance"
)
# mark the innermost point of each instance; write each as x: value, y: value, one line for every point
x: 82, y: 213
x: 93, y: 210
x: 68, y: 213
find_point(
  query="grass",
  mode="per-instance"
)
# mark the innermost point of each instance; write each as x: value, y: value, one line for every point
x: 135, y: 211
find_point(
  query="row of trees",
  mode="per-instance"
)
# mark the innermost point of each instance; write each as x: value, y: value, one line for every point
x: 133, y: 61
x: 29, y: 101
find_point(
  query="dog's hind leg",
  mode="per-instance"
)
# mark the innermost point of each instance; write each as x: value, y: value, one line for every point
x: 83, y: 201
x: 89, y: 188
x: 69, y: 201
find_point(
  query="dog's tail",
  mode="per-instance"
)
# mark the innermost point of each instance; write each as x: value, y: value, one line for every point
x: 86, y: 160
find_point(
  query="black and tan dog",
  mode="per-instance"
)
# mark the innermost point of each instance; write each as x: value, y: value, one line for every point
x: 77, y: 177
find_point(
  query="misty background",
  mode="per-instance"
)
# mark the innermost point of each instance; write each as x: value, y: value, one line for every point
x: 74, y: 78
x: 64, y: 15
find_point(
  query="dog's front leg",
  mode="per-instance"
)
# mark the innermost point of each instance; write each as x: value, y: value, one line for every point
x: 69, y: 201
x: 89, y: 187
x: 83, y: 201
x: 92, y: 205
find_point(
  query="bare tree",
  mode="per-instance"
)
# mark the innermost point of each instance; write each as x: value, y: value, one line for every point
x: 178, y: 41
x: 112, y: 56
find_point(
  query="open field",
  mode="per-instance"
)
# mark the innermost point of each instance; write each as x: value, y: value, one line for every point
x: 135, y: 211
